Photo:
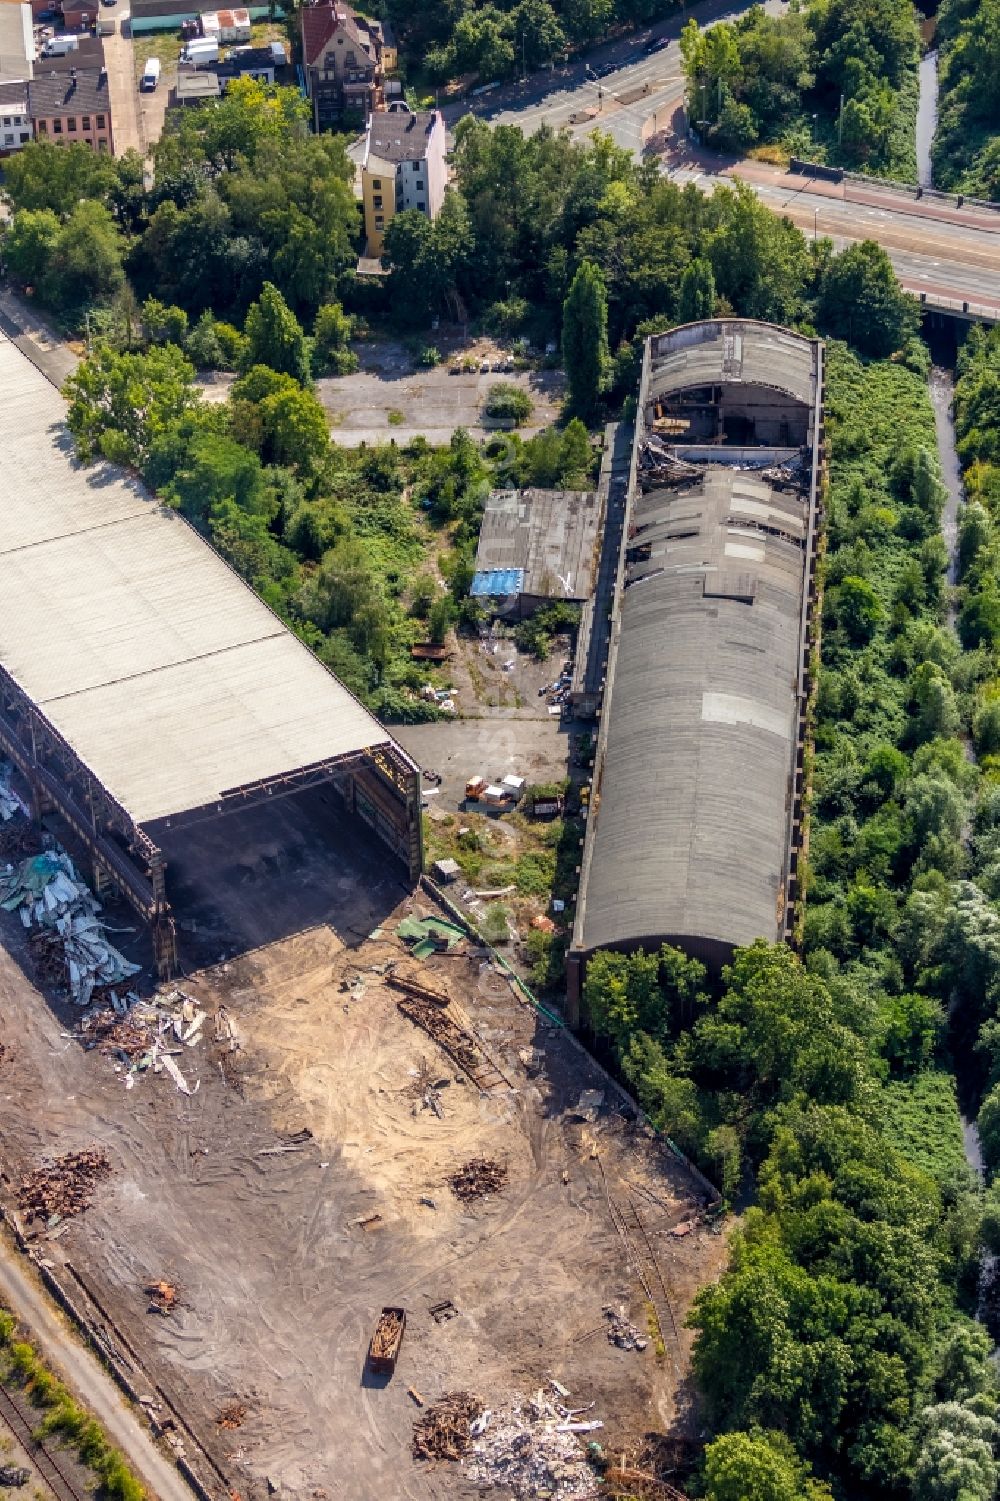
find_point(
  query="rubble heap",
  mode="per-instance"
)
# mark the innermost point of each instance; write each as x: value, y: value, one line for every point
x: 62, y: 1187
x: 145, y: 1036
x: 622, y: 1332
x: 444, y: 1430
x: 45, y: 891
x: 477, y: 1177
x: 532, y: 1449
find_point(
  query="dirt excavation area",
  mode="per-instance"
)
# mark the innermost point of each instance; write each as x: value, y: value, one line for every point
x: 348, y: 1126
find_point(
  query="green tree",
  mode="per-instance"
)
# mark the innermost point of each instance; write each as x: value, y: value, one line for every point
x: 164, y: 325
x: 758, y: 1467
x: 28, y: 244
x: 697, y: 296
x: 417, y: 277
x: 120, y: 404
x: 988, y: 1122
x: 956, y: 1460
x: 622, y: 996
x: 861, y: 301
x: 275, y: 337
x: 538, y: 32
x: 858, y: 608
x: 215, y: 469
x: 85, y: 262
x: 585, y: 338
x: 48, y: 175
x: 332, y: 333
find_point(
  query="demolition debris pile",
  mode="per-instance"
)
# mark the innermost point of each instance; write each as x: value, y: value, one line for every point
x: 478, y: 1177
x: 533, y: 1449
x: 445, y: 1429
x: 62, y: 1187
x: 622, y: 1332
x: 147, y: 1036
x: 45, y: 891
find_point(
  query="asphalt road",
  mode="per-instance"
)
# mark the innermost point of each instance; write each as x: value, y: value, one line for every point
x: 950, y: 255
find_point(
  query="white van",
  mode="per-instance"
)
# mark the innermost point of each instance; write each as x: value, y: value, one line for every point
x: 150, y: 73
x: 58, y: 46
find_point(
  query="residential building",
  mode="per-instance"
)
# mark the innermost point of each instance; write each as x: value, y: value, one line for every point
x: 15, y: 121
x: 403, y: 167
x: 342, y: 61
x: 79, y: 14
x: 72, y: 107
x: 17, y: 42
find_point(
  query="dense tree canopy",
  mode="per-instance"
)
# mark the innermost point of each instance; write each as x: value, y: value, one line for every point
x: 832, y: 79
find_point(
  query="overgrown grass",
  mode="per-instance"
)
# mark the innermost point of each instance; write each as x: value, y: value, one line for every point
x: 923, y: 1124
x: 64, y: 1417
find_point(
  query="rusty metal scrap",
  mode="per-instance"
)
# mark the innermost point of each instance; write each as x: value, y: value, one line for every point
x: 63, y: 1187
x: 478, y: 1177
x: 162, y: 1296
x: 454, y: 1040
x: 416, y: 988
x: 442, y: 1432
x: 232, y: 1415
x: 388, y: 1333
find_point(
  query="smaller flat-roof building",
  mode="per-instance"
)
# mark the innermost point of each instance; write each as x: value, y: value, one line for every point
x: 537, y: 545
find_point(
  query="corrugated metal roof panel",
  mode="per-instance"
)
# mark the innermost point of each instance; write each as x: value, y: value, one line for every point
x: 169, y: 678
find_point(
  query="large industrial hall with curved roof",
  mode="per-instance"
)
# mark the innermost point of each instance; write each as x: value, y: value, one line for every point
x: 695, y: 809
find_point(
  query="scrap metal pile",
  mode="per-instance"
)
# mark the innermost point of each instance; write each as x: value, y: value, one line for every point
x: 10, y: 803
x: 62, y: 1187
x: 445, y: 1429
x: 162, y: 1297
x: 533, y: 1449
x: 478, y: 1177
x: 50, y: 898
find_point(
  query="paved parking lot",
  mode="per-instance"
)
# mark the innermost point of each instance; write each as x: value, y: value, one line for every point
x: 432, y: 402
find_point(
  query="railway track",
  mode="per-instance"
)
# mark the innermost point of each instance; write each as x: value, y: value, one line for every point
x: 643, y: 1260
x: 62, y: 1486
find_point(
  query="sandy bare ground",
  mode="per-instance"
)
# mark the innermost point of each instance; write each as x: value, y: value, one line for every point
x: 280, y: 1282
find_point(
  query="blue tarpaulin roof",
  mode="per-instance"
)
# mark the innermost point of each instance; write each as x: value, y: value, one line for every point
x: 498, y: 581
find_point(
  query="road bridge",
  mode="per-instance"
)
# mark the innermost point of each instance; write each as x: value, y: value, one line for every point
x: 946, y: 253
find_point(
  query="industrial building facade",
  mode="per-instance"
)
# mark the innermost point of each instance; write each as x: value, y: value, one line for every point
x: 143, y: 685
x: 695, y: 815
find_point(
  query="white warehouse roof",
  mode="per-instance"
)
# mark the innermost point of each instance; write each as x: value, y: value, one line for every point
x: 166, y: 674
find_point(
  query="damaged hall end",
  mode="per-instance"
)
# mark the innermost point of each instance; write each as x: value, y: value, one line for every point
x: 144, y: 687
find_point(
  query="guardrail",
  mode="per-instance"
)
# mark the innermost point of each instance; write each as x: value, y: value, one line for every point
x: 907, y: 189
x: 981, y: 311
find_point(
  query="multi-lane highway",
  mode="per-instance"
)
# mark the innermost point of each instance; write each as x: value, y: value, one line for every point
x: 947, y: 254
